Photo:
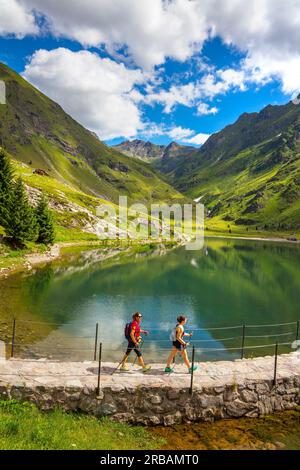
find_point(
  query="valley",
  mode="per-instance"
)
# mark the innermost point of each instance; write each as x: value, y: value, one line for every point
x: 247, y: 176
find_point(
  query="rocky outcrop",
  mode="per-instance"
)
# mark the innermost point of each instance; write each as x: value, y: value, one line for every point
x: 146, y: 150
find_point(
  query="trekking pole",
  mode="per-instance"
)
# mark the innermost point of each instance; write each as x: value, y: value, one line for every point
x: 121, y: 362
x: 275, y: 364
x: 115, y: 370
x: 13, y: 339
x: 96, y: 341
x: 243, y: 341
x: 99, y: 370
x: 174, y: 361
x: 192, y: 371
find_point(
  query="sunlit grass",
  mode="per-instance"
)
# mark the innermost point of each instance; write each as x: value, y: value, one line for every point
x: 23, y: 426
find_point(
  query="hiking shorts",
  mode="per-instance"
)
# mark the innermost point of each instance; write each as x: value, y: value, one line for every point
x: 131, y: 346
x: 179, y: 346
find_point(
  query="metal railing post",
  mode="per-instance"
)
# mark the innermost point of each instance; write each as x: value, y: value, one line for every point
x: 275, y: 364
x: 243, y: 342
x: 96, y: 341
x: 192, y: 371
x: 99, y: 370
x: 13, y: 338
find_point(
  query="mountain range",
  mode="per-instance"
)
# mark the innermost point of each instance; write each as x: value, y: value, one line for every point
x: 148, y: 151
x: 247, y: 175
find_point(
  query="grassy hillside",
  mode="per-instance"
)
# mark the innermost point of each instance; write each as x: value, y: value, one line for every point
x: 36, y: 131
x: 248, y: 175
x: 74, y: 216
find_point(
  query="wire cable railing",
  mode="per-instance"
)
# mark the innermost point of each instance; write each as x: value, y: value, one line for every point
x: 156, y: 343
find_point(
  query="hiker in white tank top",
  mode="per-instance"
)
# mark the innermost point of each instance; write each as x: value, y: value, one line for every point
x: 179, y: 345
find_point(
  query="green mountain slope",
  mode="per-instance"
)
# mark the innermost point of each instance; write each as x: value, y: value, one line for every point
x: 37, y: 132
x: 249, y: 173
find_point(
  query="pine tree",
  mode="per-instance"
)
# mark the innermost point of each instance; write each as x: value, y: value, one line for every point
x: 45, y: 222
x: 6, y: 189
x: 22, y: 225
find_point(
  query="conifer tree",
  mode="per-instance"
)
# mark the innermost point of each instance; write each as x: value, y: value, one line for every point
x: 6, y: 189
x: 45, y: 222
x: 22, y: 225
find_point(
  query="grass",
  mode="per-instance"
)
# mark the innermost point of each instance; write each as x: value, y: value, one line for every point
x: 24, y: 427
x: 11, y: 258
x: 217, y: 226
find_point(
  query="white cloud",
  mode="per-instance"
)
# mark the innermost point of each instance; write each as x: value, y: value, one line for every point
x: 262, y: 70
x: 182, y: 94
x: 15, y: 19
x: 151, y: 29
x: 203, y: 109
x: 198, y: 139
x: 212, y: 84
x: 179, y: 133
x: 267, y: 31
x: 96, y: 92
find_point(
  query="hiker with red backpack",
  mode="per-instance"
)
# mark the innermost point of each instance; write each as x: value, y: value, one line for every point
x: 133, y: 333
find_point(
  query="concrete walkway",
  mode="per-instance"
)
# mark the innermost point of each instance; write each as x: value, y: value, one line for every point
x: 31, y: 373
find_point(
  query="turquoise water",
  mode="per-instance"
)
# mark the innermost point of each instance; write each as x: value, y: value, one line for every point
x: 228, y: 284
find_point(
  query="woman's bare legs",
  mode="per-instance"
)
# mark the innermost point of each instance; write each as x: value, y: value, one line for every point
x: 171, y: 357
x: 186, y: 359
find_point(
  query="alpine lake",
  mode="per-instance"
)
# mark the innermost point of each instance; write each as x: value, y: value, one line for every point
x: 232, y: 292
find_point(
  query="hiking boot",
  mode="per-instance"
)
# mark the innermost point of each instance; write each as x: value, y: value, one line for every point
x: 169, y: 370
x: 192, y: 369
x: 124, y: 369
x: 146, y: 368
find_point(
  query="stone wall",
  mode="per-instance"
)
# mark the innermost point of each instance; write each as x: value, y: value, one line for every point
x: 165, y: 405
x: 224, y: 389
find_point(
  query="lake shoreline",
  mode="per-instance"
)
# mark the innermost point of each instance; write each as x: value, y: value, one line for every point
x: 55, y: 253
x: 36, y: 259
x: 260, y: 239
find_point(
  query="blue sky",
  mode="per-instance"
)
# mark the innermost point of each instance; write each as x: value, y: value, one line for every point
x: 185, y: 73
